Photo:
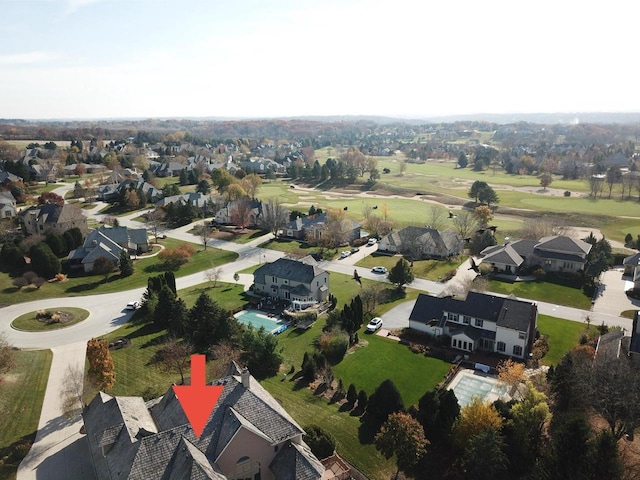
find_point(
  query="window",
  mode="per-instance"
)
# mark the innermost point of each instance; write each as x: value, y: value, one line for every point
x: 274, y: 279
x: 521, y: 335
x: 466, y: 319
x: 501, y: 347
x: 517, y: 350
x: 479, y: 322
x: 246, y: 469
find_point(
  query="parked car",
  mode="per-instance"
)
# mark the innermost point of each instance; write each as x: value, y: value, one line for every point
x: 355, y: 249
x: 133, y: 305
x: 374, y: 324
x: 379, y: 269
x: 345, y: 254
x: 372, y: 241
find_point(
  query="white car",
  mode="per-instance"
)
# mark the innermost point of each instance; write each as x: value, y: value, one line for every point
x: 374, y: 324
x: 133, y: 305
x: 379, y: 269
x: 345, y: 254
x: 372, y: 241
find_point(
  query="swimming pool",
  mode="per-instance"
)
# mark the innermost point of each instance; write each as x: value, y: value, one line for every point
x: 258, y: 320
x: 468, y: 384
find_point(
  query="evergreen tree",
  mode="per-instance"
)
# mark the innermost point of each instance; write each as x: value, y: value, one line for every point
x: 352, y: 394
x: 260, y: 352
x: 400, y: 274
x: 56, y: 244
x: 184, y: 178
x: 126, y: 264
x: 43, y: 260
x: 384, y: 401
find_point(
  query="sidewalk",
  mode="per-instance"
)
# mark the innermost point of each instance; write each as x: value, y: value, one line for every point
x: 59, y: 452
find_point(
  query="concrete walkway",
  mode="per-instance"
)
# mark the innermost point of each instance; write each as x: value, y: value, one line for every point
x: 59, y: 452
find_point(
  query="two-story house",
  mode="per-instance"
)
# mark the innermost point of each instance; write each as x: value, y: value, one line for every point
x: 43, y: 219
x: 7, y: 205
x: 481, y: 322
x: 302, y: 283
x: 247, y: 436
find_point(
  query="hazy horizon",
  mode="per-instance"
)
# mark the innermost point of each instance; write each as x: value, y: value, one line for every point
x: 117, y: 59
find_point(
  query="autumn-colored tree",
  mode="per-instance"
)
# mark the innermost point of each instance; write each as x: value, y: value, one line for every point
x: 474, y: 418
x: 483, y: 214
x: 403, y: 436
x: 131, y: 199
x: 241, y: 213
x: 50, y: 198
x: 545, y: 180
x: 528, y: 418
x: 80, y: 169
x: 251, y: 184
x: 101, y: 370
x: 174, y: 257
x: 235, y: 191
x: 510, y: 372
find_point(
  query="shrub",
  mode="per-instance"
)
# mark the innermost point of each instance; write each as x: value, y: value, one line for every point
x: 54, y: 318
x: 567, y: 193
x: 172, y: 258
x: 539, y: 273
x: 321, y: 442
x: 334, y: 345
x: 449, y: 275
x: 19, y: 282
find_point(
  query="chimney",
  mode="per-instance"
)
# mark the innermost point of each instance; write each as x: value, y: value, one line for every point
x: 244, y: 376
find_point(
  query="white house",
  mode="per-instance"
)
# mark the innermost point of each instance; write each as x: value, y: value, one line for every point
x: 481, y: 322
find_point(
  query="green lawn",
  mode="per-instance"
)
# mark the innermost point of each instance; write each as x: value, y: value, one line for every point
x: 21, y: 396
x: 308, y: 409
x: 95, y: 284
x: 29, y: 322
x: 429, y: 269
x: 413, y: 374
x: 228, y: 295
x: 287, y: 246
x: 563, y: 336
x: 543, y: 291
x: 135, y: 376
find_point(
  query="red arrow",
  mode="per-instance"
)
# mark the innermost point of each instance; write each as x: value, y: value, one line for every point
x: 198, y: 399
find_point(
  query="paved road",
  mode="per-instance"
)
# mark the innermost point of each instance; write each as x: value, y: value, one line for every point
x: 60, y: 452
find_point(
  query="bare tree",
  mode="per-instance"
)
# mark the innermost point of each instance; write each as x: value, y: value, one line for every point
x: 205, y: 233
x: 465, y: 223
x: 72, y: 390
x: 7, y: 357
x: 156, y: 222
x: 213, y: 275
x: 436, y: 217
x: 274, y: 216
x: 337, y: 228
x: 175, y: 357
x: 370, y: 294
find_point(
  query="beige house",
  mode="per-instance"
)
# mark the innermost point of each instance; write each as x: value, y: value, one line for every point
x: 247, y: 436
x: 423, y: 242
x: 43, y: 219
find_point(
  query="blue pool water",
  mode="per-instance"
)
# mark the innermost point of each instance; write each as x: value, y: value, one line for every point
x: 258, y: 320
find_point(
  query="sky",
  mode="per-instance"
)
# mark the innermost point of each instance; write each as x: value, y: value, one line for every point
x: 75, y: 59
